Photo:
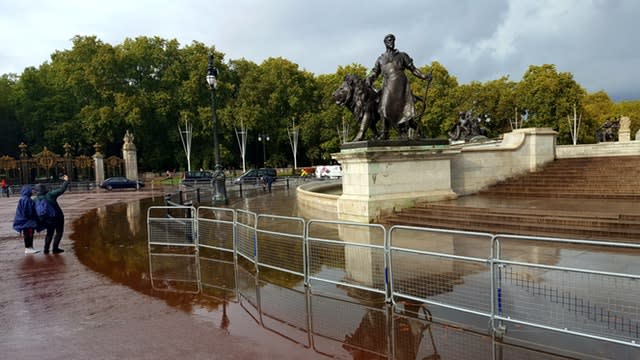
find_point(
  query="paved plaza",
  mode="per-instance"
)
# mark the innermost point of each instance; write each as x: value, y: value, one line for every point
x: 54, y: 307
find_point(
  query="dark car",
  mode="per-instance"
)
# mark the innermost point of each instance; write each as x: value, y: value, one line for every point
x: 120, y: 182
x: 197, y: 177
x: 252, y: 176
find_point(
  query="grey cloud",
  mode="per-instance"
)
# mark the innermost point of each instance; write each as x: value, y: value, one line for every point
x: 475, y: 40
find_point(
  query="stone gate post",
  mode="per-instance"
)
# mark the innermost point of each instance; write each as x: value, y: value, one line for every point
x: 129, y: 155
x: 98, y: 164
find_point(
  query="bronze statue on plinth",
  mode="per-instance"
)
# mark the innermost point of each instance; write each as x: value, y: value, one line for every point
x: 394, y: 104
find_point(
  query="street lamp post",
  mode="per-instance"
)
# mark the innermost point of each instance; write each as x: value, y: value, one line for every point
x: 294, y: 132
x: 218, y: 176
x: 264, y: 138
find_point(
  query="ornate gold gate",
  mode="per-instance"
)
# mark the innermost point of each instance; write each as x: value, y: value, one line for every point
x: 48, y: 166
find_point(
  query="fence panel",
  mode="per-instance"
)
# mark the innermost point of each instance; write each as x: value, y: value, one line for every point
x: 172, y: 226
x: 442, y: 267
x: 577, y: 287
x: 280, y: 243
x: 246, y: 234
x: 346, y: 254
x: 216, y: 228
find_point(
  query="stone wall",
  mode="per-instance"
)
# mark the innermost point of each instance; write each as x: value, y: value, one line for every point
x: 316, y: 201
x: 377, y: 181
x: 628, y: 148
x: 479, y: 166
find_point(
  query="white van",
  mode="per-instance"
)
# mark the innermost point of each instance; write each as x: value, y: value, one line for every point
x: 329, y: 172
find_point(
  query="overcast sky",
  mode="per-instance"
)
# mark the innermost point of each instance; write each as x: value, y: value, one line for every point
x: 596, y: 41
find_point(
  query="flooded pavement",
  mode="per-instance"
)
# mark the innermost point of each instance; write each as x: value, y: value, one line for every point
x: 111, y: 297
x: 55, y: 307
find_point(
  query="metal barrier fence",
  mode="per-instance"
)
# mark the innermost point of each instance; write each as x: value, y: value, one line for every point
x: 172, y: 225
x: 427, y: 264
x: 330, y: 326
x: 545, y: 283
x: 598, y: 299
x: 280, y: 243
x: 347, y: 254
x: 246, y: 234
x: 216, y: 228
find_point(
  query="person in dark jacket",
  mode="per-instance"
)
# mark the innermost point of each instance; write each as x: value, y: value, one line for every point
x: 56, y: 227
x: 266, y: 182
x: 26, y: 219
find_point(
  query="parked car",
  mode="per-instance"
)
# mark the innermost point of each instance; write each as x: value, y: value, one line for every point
x: 252, y: 176
x: 121, y: 182
x: 197, y: 177
x: 329, y: 172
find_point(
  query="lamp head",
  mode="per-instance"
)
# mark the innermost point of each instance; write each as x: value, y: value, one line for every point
x: 212, y: 74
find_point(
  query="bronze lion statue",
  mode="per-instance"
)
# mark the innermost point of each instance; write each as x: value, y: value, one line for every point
x: 362, y: 100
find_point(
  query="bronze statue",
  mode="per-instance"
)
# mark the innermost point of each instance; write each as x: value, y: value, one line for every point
x: 362, y: 100
x: 468, y: 127
x: 608, y: 131
x: 397, y: 105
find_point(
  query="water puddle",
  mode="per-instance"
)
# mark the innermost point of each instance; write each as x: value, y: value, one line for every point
x: 340, y: 322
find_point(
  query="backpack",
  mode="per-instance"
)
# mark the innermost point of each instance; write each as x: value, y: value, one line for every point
x: 46, y: 212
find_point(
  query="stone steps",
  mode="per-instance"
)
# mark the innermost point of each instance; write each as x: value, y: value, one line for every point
x: 584, y: 228
x: 590, y: 178
x: 588, y: 181
x: 574, y: 195
x: 507, y: 215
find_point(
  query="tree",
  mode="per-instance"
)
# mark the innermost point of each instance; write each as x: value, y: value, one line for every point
x: 320, y: 129
x: 549, y: 97
x: 630, y: 108
x: 596, y: 109
x: 441, y: 104
x: 268, y: 97
x: 11, y: 130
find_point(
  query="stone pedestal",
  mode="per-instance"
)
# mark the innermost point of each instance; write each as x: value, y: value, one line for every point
x: 98, y: 165
x: 376, y: 179
x: 129, y: 155
x: 624, y: 133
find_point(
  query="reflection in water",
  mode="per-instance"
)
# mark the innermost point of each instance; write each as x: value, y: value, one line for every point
x: 113, y: 241
x: 325, y: 325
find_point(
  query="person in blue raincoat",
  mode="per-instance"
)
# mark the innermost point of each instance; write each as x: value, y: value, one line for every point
x: 26, y: 219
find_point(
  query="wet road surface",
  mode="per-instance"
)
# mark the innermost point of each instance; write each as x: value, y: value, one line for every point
x: 54, y: 307
x: 97, y: 301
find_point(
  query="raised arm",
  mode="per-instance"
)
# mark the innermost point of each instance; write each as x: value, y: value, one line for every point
x: 65, y: 185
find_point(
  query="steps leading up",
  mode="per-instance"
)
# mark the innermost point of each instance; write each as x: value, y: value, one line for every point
x: 589, y: 178
x: 576, y: 198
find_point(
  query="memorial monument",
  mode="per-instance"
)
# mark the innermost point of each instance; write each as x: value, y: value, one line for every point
x: 394, y: 104
x: 374, y: 179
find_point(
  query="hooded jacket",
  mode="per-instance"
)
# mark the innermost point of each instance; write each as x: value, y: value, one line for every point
x: 26, y: 217
x: 52, y: 198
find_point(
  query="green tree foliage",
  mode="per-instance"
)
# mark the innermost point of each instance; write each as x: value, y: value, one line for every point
x: 440, y: 104
x: 95, y: 92
x: 268, y: 98
x: 548, y: 98
x: 596, y: 109
x: 630, y: 108
x: 10, y: 137
x: 324, y: 130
